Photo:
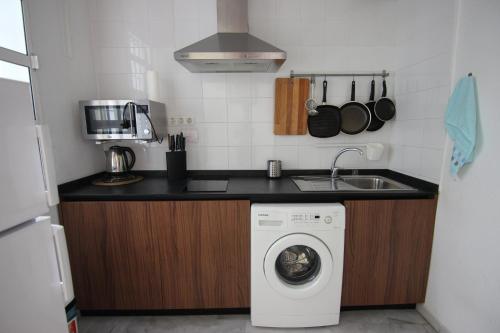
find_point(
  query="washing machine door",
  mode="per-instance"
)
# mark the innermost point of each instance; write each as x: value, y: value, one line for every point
x: 298, y: 265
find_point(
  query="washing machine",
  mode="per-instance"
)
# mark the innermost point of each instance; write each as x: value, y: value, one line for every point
x: 297, y: 255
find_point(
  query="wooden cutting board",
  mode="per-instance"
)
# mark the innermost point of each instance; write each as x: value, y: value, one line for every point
x: 290, y: 114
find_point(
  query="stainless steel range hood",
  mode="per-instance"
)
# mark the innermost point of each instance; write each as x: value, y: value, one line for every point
x: 232, y: 49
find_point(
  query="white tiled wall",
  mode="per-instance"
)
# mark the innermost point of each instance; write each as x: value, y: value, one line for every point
x: 424, y: 48
x: 233, y: 113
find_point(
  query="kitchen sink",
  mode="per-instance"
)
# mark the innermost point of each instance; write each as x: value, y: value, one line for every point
x: 374, y: 183
x: 348, y: 183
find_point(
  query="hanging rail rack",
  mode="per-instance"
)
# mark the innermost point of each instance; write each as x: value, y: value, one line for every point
x: 384, y: 74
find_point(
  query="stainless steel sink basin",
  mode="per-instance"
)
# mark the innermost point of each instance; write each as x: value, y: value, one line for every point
x: 374, y: 183
x: 348, y: 183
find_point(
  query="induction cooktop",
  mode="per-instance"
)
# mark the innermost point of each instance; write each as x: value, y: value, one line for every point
x: 202, y: 185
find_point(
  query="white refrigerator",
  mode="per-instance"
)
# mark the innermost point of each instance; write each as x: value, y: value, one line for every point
x: 35, y: 280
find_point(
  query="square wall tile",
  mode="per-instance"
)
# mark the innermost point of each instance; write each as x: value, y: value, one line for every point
x: 289, y: 156
x: 192, y: 107
x: 260, y: 155
x: 120, y: 33
x: 187, y: 85
x: 434, y: 133
x: 161, y: 10
x: 239, y: 110
x: 214, y: 86
x: 238, y: 86
x: 185, y: 32
x: 311, y: 157
x: 263, y: 9
x: 262, y: 134
x: 132, y: 60
x: 289, y: 9
x: 186, y: 9
x: 239, y: 158
x: 121, y: 86
x: 216, y: 158
x: 263, y: 85
x: 313, y: 10
x: 431, y: 164
x: 214, y: 110
x: 263, y: 110
x: 239, y: 135
x: 161, y: 33
x: 212, y: 135
x: 412, y: 160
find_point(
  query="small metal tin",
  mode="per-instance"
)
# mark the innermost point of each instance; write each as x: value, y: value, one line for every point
x: 273, y: 168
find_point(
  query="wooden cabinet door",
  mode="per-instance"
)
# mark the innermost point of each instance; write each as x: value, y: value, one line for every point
x: 387, y: 251
x: 114, y: 259
x: 204, y: 253
x: 159, y: 254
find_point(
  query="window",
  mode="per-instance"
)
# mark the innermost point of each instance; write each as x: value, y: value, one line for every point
x: 13, y: 50
x: 12, y: 26
x: 14, y: 72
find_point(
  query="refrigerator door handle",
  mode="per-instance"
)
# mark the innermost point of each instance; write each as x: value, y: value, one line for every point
x: 63, y: 263
x: 47, y: 157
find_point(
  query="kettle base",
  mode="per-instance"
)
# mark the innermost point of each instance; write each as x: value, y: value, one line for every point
x: 117, y: 180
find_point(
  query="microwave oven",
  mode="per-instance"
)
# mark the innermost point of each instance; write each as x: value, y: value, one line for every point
x: 123, y: 120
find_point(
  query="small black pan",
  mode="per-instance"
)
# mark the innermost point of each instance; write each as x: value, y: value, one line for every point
x: 355, y: 115
x: 375, y: 123
x: 384, y: 108
x: 327, y: 122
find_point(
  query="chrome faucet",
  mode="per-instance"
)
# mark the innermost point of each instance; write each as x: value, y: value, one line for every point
x: 334, y: 169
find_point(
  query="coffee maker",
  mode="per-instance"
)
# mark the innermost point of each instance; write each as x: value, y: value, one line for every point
x: 119, y: 161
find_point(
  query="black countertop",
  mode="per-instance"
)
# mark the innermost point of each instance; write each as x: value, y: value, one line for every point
x: 249, y: 185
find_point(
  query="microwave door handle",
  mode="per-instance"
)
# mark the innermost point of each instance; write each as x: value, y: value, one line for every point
x: 134, y: 123
x: 128, y: 106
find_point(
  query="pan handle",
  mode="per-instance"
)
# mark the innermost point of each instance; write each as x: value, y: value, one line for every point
x: 384, y: 89
x: 325, y: 84
x: 353, y: 90
x: 372, y: 90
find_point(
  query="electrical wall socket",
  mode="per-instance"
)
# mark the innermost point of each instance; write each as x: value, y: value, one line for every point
x: 180, y: 120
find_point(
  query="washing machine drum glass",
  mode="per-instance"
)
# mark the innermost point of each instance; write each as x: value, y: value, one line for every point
x: 298, y: 264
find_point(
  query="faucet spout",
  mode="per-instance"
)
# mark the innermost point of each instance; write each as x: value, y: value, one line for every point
x: 334, y: 169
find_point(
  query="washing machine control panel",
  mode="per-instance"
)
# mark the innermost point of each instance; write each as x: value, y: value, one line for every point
x: 310, y: 219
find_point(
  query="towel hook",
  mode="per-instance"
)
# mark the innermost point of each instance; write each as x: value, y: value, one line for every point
x: 470, y: 74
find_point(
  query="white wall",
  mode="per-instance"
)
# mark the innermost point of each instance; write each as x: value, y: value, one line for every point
x: 65, y: 76
x: 464, y: 290
x: 425, y: 34
x: 234, y: 112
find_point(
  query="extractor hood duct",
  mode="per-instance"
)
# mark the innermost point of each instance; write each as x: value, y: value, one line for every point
x: 232, y: 49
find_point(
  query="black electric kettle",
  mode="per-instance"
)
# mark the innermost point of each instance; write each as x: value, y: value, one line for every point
x: 117, y: 160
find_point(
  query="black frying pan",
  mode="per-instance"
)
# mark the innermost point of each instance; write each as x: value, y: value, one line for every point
x: 327, y: 122
x: 355, y: 115
x: 375, y: 123
x: 385, y: 108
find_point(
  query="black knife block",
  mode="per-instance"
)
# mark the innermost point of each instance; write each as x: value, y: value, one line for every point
x: 176, y: 165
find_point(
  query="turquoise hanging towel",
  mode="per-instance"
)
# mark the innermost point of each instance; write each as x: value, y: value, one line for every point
x: 461, y: 122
